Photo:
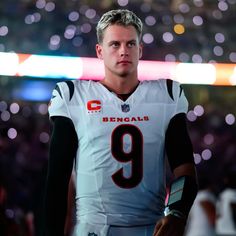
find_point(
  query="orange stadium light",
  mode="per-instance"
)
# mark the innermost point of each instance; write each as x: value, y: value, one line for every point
x: 61, y: 67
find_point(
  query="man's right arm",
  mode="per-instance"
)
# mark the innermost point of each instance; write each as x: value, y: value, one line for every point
x: 62, y: 151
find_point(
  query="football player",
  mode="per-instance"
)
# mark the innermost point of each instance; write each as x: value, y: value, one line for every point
x: 116, y: 133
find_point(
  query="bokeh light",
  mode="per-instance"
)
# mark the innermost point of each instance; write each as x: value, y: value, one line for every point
x: 14, y: 108
x: 3, y: 106
x: 219, y: 37
x: 170, y: 57
x: 197, y: 20
x: 86, y: 28
x: 232, y: 56
x: 54, y: 42
x: 223, y: 6
x: 179, y: 18
x: 168, y: 37
x: 50, y: 6
x: 179, y: 29
x: 230, y: 119
x: 5, y: 115
x: 90, y: 13
x: 40, y: 4
x: 73, y: 16
x: 197, y: 158
x: 12, y: 133
x: 198, y: 110
x: 184, y: 8
x: 191, y: 116
x: 148, y: 38
x: 208, y: 139
x: 206, y: 154
x: 70, y: 31
x: 150, y: 20
x: 123, y: 3
x: 184, y: 57
x: 44, y: 137
x: 3, y: 30
x: 43, y: 109
x: 198, y: 3
x: 218, y: 50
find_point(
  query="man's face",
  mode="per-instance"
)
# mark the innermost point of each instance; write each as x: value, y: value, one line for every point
x: 120, y: 50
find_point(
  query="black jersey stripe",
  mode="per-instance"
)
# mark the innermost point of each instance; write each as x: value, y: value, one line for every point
x: 58, y: 90
x: 71, y: 87
x: 169, y: 84
x: 181, y: 90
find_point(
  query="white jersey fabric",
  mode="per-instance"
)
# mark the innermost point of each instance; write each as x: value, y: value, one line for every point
x: 198, y: 223
x: 120, y: 162
x: 109, y: 230
x: 225, y: 223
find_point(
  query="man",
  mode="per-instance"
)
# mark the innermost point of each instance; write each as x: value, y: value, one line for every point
x: 226, y: 204
x: 202, y: 217
x: 116, y: 132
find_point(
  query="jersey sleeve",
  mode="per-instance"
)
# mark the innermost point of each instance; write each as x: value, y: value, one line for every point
x: 58, y: 105
x: 176, y: 94
x: 177, y: 140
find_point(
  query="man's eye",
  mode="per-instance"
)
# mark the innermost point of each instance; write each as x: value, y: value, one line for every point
x: 131, y: 44
x: 115, y: 44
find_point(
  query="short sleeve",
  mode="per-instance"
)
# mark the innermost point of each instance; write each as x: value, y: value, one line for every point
x: 176, y: 93
x: 58, y: 104
x: 182, y: 102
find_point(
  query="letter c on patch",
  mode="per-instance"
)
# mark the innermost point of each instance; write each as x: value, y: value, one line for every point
x: 94, y: 105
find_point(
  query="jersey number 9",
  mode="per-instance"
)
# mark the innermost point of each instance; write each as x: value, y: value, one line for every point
x: 135, y: 156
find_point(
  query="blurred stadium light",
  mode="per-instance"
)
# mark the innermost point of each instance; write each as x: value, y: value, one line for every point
x: 57, y: 67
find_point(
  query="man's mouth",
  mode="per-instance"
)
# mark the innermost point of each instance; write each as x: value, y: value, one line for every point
x: 124, y: 62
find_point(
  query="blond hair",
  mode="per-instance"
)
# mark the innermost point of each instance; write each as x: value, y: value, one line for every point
x: 120, y: 17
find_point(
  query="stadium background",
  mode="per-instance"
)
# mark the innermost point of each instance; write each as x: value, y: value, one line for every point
x: 193, y: 31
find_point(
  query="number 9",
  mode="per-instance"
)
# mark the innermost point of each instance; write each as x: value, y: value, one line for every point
x: 135, y: 156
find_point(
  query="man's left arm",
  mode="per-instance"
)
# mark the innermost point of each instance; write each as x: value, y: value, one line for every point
x: 184, y: 188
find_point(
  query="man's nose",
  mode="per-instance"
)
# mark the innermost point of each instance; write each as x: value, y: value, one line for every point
x: 124, y: 50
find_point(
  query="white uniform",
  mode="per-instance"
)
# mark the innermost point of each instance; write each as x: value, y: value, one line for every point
x: 198, y: 223
x: 120, y: 163
x: 225, y: 223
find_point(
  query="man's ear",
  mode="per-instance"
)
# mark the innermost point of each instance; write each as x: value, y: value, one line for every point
x: 140, y: 50
x: 99, y: 51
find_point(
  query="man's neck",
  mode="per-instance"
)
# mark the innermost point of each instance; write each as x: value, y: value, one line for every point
x: 120, y: 85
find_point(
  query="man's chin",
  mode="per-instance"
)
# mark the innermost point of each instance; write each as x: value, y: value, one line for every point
x: 124, y: 73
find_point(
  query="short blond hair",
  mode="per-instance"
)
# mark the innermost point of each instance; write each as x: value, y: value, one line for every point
x: 120, y: 17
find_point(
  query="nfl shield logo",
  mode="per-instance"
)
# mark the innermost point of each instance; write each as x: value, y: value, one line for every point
x: 92, y: 234
x: 125, y: 108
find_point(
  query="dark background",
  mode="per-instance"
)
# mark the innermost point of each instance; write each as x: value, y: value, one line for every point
x: 67, y: 28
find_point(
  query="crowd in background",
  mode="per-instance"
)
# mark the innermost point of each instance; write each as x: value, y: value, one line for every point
x: 181, y: 30
x: 174, y: 30
x: 25, y: 136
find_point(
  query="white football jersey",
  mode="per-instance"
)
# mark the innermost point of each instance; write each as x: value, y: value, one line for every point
x: 120, y: 163
x: 198, y: 223
x: 225, y: 222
